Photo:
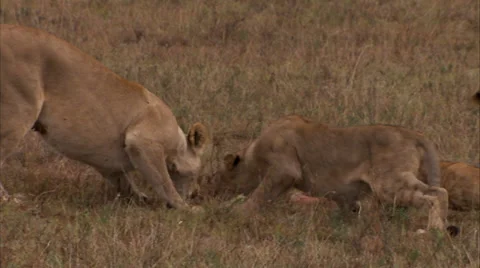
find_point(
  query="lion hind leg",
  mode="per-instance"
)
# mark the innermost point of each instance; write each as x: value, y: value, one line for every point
x: 17, y: 116
x: 277, y: 180
x: 10, y: 137
x: 435, y: 202
x: 269, y: 189
x: 408, y: 190
x: 14, y: 126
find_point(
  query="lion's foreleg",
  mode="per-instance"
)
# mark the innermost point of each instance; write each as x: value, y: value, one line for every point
x: 276, y: 181
x: 149, y: 159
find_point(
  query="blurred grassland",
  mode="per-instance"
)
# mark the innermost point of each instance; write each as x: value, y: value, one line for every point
x: 236, y: 65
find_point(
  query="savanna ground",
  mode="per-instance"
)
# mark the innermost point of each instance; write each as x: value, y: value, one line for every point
x: 236, y: 65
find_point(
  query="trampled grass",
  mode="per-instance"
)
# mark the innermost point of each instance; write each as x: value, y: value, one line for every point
x: 235, y: 65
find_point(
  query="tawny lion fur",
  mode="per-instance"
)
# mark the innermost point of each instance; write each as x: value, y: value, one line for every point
x: 462, y: 182
x: 294, y: 152
x: 90, y: 114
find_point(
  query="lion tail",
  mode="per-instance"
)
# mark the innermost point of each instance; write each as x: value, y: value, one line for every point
x: 431, y: 163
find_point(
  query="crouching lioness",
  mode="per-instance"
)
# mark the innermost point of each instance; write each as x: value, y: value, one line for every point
x: 90, y: 114
x: 294, y: 152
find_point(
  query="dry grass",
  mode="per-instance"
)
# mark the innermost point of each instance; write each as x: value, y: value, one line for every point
x: 235, y: 65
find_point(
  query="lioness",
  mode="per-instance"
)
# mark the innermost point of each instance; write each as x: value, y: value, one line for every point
x: 92, y: 115
x: 294, y: 152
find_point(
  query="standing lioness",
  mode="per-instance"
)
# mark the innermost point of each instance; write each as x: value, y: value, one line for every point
x: 317, y: 159
x: 90, y: 114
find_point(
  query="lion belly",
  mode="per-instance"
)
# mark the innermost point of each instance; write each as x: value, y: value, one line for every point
x: 341, y: 175
x: 86, y: 134
x: 332, y: 182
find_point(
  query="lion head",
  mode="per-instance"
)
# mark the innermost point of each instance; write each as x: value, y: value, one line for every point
x: 184, y: 170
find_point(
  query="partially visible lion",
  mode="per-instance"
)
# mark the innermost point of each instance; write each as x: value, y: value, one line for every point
x: 294, y: 152
x: 92, y: 115
x: 462, y: 181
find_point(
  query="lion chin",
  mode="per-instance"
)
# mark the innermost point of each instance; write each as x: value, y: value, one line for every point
x: 90, y: 114
x: 342, y: 163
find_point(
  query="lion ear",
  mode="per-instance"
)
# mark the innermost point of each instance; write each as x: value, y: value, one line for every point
x: 231, y: 161
x: 197, y: 138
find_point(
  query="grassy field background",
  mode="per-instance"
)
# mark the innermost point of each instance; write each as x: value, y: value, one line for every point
x: 236, y: 65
